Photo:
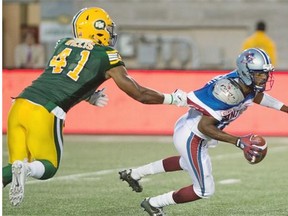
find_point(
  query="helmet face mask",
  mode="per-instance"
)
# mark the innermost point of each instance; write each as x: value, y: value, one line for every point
x: 251, y: 63
x: 113, y: 35
x: 261, y: 79
x: 94, y: 24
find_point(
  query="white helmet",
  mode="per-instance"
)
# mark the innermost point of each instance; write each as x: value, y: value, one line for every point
x: 252, y: 61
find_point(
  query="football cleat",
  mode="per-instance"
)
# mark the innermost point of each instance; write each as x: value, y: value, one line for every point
x: 20, y: 172
x: 152, y: 211
x: 125, y: 175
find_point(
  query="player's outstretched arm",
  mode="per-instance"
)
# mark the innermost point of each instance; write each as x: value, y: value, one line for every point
x: 266, y: 100
x: 143, y: 94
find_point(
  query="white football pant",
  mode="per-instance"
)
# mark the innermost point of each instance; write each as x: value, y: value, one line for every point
x: 194, y: 156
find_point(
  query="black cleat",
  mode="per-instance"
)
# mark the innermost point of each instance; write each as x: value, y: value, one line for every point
x: 152, y: 211
x: 125, y: 175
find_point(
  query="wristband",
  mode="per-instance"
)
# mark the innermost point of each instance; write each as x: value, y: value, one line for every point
x: 168, y: 99
x: 239, y: 144
x: 271, y: 102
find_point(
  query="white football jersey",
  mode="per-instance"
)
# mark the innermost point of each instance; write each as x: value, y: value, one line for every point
x: 224, y: 110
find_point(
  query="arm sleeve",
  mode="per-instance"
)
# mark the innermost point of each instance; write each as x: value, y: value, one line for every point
x: 269, y: 101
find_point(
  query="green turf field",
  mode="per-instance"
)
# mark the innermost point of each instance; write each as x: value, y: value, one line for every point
x: 87, y: 182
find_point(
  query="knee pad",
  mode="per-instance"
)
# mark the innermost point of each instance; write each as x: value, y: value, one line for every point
x: 183, y: 164
x: 206, y: 192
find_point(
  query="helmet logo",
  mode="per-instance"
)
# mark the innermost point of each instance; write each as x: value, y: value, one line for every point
x: 249, y: 57
x: 100, y: 24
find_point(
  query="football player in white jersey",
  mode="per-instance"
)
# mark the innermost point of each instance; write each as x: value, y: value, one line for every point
x: 212, y: 108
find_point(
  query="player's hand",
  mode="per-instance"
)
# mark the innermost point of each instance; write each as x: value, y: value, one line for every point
x: 179, y: 98
x: 98, y: 98
x: 248, y: 146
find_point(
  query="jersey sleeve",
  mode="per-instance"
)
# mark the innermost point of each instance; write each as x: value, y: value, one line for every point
x: 114, y: 58
x: 195, y: 102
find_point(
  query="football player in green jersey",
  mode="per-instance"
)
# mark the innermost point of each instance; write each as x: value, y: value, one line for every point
x: 78, y: 66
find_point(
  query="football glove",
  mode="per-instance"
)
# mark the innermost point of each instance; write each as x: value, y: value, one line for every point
x: 98, y: 98
x: 178, y: 98
x: 248, y: 146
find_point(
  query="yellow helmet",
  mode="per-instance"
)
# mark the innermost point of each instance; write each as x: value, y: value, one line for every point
x: 95, y: 24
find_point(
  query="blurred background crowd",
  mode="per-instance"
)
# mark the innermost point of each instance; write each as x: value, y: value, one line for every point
x: 152, y: 34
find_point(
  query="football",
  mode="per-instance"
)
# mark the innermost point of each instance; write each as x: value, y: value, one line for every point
x: 261, y: 143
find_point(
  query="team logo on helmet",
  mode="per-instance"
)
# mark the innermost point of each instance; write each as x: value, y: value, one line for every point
x: 100, y: 24
x: 249, y: 57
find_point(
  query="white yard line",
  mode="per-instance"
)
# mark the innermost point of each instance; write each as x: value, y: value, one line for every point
x: 75, y: 176
x: 96, y: 176
x: 229, y: 181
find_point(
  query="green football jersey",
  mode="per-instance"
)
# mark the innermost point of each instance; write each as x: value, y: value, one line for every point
x: 77, y: 68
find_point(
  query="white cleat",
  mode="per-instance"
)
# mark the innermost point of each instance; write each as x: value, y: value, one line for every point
x: 19, y: 175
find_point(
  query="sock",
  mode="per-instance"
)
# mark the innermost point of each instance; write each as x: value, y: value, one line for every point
x: 185, y: 194
x: 37, y: 169
x: 172, y: 164
x: 6, y: 175
x: 162, y: 200
x: 149, y: 169
x: 50, y: 169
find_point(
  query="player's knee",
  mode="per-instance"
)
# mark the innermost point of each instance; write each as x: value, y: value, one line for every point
x: 183, y: 164
x: 50, y: 170
x: 205, y: 192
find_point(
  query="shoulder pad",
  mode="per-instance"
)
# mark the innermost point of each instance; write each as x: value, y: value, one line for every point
x: 227, y: 91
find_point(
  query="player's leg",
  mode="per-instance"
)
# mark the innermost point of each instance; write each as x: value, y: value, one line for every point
x: 45, y: 143
x: 165, y: 165
x: 16, y: 142
x: 17, y: 171
x: 42, y: 141
x: 133, y: 176
x: 194, y: 159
